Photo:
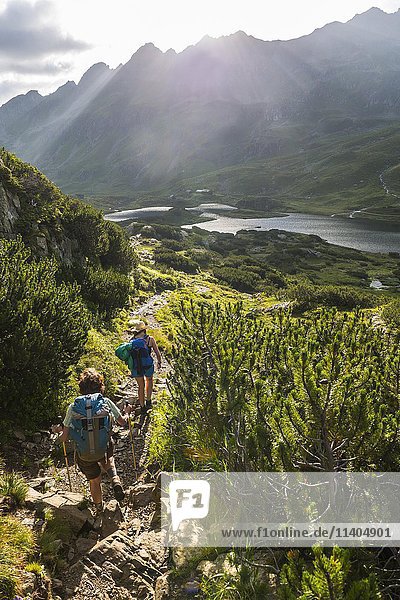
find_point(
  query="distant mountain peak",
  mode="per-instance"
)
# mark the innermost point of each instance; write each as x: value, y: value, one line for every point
x: 31, y: 95
x: 240, y: 34
x: 369, y: 15
x: 95, y: 71
x: 374, y: 9
x: 147, y: 50
x: 206, y: 40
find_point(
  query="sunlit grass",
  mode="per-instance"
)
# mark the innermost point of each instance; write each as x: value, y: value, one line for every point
x: 17, y: 546
x: 13, y: 486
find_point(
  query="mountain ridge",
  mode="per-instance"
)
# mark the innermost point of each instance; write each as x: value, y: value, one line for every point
x: 165, y: 116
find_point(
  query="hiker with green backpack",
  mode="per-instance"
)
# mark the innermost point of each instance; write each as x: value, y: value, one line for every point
x: 88, y: 422
x: 137, y: 355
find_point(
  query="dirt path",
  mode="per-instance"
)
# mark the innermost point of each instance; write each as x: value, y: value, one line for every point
x: 126, y: 564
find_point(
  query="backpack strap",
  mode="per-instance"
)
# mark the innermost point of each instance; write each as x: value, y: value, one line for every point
x: 89, y: 420
x: 147, y: 339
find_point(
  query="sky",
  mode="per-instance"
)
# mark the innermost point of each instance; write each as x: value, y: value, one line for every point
x: 44, y: 43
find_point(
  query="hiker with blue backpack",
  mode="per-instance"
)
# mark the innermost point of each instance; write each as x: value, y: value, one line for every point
x: 88, y: 422
x: 137, y: 354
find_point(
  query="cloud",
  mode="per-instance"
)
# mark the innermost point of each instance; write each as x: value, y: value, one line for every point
x: 8, y: 89
x: 29, y: 30
x: 35, y: 67
x: 35, y: 52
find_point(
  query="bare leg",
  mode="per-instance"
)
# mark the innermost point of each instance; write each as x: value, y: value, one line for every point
x: 95, y: 490
x: 140, y: 382
x: 110, y: 469
x: 149, y: 388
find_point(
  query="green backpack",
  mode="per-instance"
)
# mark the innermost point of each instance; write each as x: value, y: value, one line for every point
x: 124, y: 353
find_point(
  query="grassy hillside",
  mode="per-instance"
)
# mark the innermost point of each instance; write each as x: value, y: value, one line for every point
x: 332, y: 174
x: 254, y: 261
x: 323, y: 173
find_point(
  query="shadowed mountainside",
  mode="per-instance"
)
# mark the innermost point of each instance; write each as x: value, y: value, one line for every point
x: 163, y: 117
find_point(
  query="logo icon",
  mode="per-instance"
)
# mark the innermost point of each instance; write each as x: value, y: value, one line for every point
x: 189, y: 499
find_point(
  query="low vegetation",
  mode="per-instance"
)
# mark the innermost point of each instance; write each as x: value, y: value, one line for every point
x: 13, y: 487
x: 66, y: 272
x: 16, y: 549
x: 55, y: 534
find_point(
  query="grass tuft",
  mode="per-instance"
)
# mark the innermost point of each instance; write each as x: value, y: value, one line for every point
x: 13, y: 486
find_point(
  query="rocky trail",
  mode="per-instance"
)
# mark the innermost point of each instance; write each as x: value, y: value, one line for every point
x: 121, y: 556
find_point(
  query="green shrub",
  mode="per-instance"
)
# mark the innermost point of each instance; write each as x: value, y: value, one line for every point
x: 179, y: 262
x: 105, y: 291
x: 162, y: 232
x: 241, y: 280
x: 99, y: 353
x: 43, y: 329
x: 201, y: 256
x: 13, y: 486
x: 154, y: 281
x: 175, y: 245
x: 391, y: 313
x: 307, y: 296
x: 257, y: 393
x: 120, y: 254
x: 331, y: 575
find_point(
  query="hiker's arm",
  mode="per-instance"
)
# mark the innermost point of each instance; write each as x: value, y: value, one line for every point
x: 64, y: 432
x: 123, y: 420
x: 63, y: 427
x: 156, y: 351
x: 118, y: 416
x: 64, y: 435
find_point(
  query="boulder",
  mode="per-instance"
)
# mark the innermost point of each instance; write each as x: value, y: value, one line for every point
x: 112, y: 518
x: 83, y: 545
x: 143, y: 494
x: 151, y: 543
x: 40, y: 483
x: 67, y: 505
x: 117, y: 548
x: 33, y: 498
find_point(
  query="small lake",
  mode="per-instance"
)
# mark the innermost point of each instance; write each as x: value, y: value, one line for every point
x: 124, y: 215
x: 351, y: 233
x: 212, y: 206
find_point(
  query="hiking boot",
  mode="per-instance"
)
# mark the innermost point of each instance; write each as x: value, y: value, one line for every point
x: 98, y: 509
x: 118, y: 490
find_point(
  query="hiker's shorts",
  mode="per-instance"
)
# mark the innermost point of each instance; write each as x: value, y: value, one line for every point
x: 146, y: 372
x: 92, y: 470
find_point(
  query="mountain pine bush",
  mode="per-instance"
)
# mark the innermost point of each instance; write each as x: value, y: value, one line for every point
x: 252, y: 392
x: 331, y: 576
x: 43, y: 329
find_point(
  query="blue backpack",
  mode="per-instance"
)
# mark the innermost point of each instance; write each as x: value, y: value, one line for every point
x: 136, y: 354
x: 91, y: 426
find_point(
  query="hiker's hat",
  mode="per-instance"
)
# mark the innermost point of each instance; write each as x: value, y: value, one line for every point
x: 139, y: 326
